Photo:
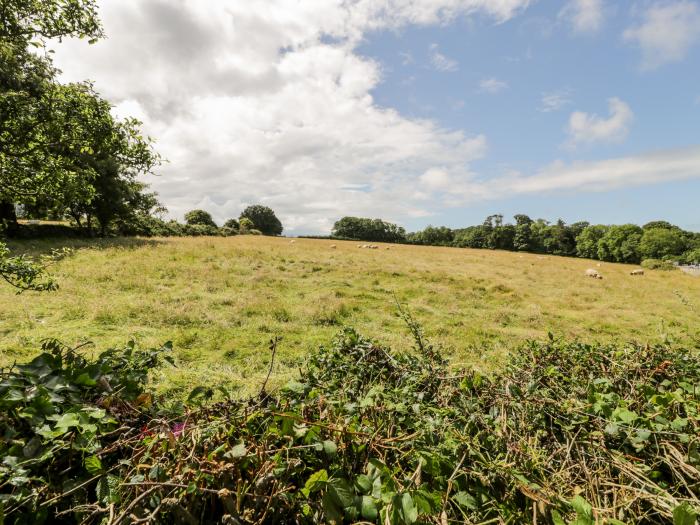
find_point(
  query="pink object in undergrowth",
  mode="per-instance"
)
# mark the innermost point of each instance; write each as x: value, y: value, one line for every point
x: 178, y: 429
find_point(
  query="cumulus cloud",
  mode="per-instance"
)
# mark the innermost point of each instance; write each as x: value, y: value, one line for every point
x: 492, y: 85
x: 555, y: 100
x: 268, y: 101
x: 585, y: 16
x: 666, y: 32
x: 586, y: 128
x: 441, y: 62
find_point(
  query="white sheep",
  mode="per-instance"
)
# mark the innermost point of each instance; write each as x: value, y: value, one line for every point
x: 333, y: 246
x: 593, y: 273
x: 638, y: 271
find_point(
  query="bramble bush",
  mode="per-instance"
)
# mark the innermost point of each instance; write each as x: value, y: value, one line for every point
x: 565, y: 433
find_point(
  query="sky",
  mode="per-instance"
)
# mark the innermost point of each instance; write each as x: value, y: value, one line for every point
x: 415, y: 111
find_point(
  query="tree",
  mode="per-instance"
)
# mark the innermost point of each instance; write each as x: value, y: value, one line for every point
x: 657, y: 243
x: 233, y: 224
x: 523, y: 234
x: 42, y: 124
x: 363, y: 229
x: 200, y: 217
x: 36, y: 119
x: 620, y: 244
x: 434, y: 236
x: 263, y: 218
x: 587, y: 241
x: 245, y: 225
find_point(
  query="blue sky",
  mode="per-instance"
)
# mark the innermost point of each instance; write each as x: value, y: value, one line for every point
x: 415, y: 111
x: 528, y: 61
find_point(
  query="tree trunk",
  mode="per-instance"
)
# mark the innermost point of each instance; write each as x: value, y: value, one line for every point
x: 8, y: 218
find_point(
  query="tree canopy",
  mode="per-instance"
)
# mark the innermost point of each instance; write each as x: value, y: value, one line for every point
x: 373, y: 230
x: 263, y: 219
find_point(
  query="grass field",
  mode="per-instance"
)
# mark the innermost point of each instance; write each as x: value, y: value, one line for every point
x: 220, y: 300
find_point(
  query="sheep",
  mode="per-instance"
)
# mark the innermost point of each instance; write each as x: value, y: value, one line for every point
x: 292, y: 242
x: 365, y: 246
x: 593, y: 273
x: 387, y: 248
x: 333, y: 246
x: 638, y: 271
x: 373, y: 247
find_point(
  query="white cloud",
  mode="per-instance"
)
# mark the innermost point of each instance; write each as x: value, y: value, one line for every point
x: 667, y: 31
x: 585, y: 16
x: 441, y: 62
x: 267, y: 101
x: 586, y: 128
x: 595, y: 176
x: 492, y: 85
x: 663, y: 166
x: 555, y: 100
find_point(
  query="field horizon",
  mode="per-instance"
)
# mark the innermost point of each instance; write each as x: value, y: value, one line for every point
x: 220, y: 300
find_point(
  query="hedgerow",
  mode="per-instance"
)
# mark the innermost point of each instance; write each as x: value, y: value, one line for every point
x: 566, y: 433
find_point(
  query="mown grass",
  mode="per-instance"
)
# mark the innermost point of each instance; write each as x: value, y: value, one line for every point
x: 220, y: 300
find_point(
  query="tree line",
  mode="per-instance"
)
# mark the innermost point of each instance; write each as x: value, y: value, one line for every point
x: 626, y: 243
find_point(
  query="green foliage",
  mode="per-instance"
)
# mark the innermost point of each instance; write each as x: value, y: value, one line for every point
x: 587, y: 241
x: 200, y: 218
x: 433, y: 236
x: 373, y: 230
x: 657, y: 264
x: 26, y: 274
x: 263, y: 219
x: 620, y: 244
x: 245, y: 225
x: 59, y: 415
x: 690, y: 257
x: 363, y: 434
x: 233, y: 224
x: 658, y: 243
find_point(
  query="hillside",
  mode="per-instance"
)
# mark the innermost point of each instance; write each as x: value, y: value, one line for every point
x: 220, y: 300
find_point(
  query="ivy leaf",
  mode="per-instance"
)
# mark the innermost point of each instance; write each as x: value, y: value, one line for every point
x: 93, y: 464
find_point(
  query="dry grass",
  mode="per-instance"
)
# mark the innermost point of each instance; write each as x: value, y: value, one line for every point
x: 221, y: 299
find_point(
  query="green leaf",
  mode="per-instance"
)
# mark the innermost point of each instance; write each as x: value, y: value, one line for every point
x: 684, y: 514
x: 363, y: 484
x: 330, y: 448
x: 557, y: 519
x: 464, y: 499
x: 93, y: 464
x: 369, y: 509
x: 67, y: 421
x: 315, y: 482
x: 625, y: 415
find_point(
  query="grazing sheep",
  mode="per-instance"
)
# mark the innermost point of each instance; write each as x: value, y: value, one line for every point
x: 333, y: 246
x: 387, y: 248
x: 593, y: 273
x: 292, y: 242
x: 373, y: 247
x: 598, y: 265
x: 365, y: 246
x: 639, y: 271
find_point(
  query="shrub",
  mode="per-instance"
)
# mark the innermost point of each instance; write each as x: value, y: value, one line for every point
x: 691, y: 257
x: 657, y: 264
x: 199, y: 217
x: 364, y: 434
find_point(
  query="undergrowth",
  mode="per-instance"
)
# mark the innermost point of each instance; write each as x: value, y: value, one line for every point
x: 566, y: 433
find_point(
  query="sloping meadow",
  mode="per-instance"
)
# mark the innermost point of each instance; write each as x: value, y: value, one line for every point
x: 566, y: 433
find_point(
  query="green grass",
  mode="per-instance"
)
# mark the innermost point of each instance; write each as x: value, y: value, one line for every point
x: 220, y: 300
